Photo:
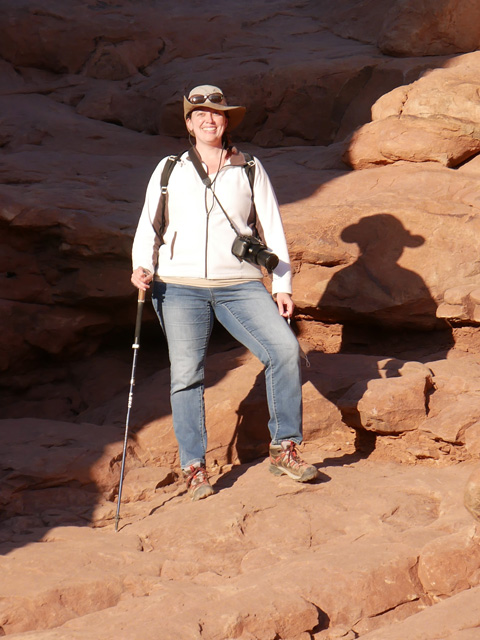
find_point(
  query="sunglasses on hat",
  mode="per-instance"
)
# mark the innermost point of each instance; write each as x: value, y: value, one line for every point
x: 216, y: 98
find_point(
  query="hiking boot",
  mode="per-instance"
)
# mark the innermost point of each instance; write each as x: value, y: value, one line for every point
x: 285, y: 459
x: 197, y: 482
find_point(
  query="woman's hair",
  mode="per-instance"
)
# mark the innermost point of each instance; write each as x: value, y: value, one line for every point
x: 227, y: 141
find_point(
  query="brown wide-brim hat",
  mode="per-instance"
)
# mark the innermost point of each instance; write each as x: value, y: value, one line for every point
x: 235, y: 114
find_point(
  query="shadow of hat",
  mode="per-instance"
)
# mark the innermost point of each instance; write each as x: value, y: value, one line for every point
x: 380, y: 227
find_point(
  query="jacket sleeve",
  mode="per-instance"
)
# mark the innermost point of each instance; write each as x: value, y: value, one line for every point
x: 268, y: 215
x: 145, y: 240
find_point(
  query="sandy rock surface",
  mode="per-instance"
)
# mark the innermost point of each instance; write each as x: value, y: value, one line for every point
x: 382, y: 535
x: 264, y: 556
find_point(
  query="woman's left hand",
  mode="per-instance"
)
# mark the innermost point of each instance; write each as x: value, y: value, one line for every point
x: 285, y: 304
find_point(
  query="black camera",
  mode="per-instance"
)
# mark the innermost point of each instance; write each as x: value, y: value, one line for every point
x: 251, y: 250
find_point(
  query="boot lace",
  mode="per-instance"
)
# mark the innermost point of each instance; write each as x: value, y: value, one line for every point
x: 291, y: 456
x: 197, y: 476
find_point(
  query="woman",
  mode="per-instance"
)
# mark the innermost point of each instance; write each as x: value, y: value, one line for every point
x: 195, y: 277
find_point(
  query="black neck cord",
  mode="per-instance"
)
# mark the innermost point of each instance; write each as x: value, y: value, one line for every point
x: 211, y: 185
x: 193, y: 155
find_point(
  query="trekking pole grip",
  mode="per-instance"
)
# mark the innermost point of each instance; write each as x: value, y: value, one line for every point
x: 138, y: 321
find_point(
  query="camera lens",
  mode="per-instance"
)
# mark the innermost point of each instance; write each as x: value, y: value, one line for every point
x: 267, y: 259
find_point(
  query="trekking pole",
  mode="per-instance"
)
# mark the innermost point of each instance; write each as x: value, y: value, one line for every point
x: 135, y: 347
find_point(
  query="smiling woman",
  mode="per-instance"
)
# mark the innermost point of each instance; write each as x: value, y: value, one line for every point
x: 208, y: 127
x: 209, y: 119
x: 197, y: 273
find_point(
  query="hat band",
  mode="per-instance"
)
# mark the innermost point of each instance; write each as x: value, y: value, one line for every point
x: 215, y: 98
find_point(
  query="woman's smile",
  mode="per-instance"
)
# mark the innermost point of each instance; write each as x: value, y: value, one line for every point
x: 207, y: 122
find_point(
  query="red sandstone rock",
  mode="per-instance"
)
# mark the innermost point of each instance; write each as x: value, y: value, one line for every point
x: 353, y: 559
x: 434, y: 119
x: 369, y: 545
x: 75, y: 185
x: 406, y: 27
x: 388, y: 405
x: 450, y: 564
x: 472, y: 494
x: 456, y: 619
x: 426, y: 27
x: 434, y: 139
x: 101, y: 42
x: 375, y: 259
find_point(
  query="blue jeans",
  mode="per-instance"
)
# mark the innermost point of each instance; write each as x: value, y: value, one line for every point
x: 248, y: 312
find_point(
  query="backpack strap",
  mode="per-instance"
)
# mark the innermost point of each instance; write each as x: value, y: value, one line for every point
x: 159, y: 222
x: 249, y: 168
x: 167, y: 170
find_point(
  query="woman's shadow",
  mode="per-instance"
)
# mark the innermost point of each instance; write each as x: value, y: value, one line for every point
x: 378, y: 299
x: 385, y: 310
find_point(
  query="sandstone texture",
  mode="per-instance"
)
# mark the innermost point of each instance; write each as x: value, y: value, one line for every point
x: 382, y: 536
x: 366, y: 116
x: 76, y: 134
x: 407, y: 27
x: 435, y: 119
x: 426, y: 27
x: 371, y: 544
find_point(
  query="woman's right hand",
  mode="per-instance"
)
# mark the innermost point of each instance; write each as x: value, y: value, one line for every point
x: 141, y: 278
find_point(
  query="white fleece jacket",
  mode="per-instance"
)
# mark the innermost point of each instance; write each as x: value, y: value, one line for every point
x: 198, y: 237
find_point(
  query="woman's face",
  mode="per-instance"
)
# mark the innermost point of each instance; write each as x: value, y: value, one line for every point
x: 207, y: 125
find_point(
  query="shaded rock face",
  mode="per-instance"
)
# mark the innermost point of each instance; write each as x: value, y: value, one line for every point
x: 430, y: 28
x: 101, y: 40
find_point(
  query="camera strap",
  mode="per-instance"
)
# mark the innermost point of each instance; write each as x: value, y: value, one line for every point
x: 197, y: 163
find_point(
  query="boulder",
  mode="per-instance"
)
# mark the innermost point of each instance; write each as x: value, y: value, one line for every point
x: 435, y: 119
x: 449, y: 141
x: 456, y: 420
x: 389, y: 405
x: 450, y: 564
x: 406, y: 27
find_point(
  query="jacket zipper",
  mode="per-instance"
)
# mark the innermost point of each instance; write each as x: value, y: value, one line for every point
x: 206, y: 245
x: 206, y: 231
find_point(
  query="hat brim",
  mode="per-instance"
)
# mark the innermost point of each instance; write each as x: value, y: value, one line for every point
x: 235, y: 114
